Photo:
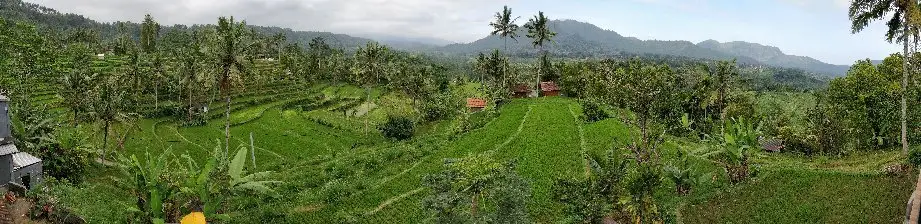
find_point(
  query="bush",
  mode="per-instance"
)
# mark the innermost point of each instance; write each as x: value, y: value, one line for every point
x: 914, y: 157
x: 593, y: 112
x: 68, y: 157
x: 439, y: 106
x: 398, y: 128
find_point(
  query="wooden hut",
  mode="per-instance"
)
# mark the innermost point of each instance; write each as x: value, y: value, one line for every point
x: 476, y: 104
x: 549, y: 89
x: 521, y: 91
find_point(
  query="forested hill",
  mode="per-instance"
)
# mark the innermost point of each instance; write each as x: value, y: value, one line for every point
x: 579, y: 39
x: 52, y: 20
x: 773, y: 56
x: 574, y: 39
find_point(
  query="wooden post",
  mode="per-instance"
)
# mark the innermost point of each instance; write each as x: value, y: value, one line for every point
x: 915, y: 203
x: 252, y: 149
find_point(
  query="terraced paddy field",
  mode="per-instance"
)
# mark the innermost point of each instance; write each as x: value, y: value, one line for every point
x: 334, y: 172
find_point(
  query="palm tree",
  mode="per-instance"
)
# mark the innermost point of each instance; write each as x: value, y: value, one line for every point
x: 905, y: 17
x: 505, y: 26
x: 369, y: 66
x: 231, y: 47
x: 540, y: 33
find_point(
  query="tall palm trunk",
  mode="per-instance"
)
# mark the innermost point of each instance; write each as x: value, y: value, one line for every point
x: 905, y: 90
x: 540, y: 70
x: 189, y: 113
x: 367, y: 107
x: 157, y: 94
x: 227, y: 127
x: 105, y: 140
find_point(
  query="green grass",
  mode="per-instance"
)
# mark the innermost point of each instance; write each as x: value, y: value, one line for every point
x: 322, y: 152
x: 807, y: 197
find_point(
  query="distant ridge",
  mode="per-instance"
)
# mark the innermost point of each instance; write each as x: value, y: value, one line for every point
x: 578, y: 39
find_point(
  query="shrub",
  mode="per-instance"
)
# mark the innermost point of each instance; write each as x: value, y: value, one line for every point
x: 459, y: 193
x: 593, y: 112
x: 683, y: 175
x: 69, y: 156
x: 736, y: 143
x: 590, y: 200
x: 398, y: 128
x: 914, y: 157
x: 439, y: 106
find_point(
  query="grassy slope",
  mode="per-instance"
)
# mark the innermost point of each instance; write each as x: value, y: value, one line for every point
x: 807, y: 197
x: 385, y: 179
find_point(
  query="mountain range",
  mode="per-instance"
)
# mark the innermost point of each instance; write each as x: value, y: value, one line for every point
x: 580, y: 39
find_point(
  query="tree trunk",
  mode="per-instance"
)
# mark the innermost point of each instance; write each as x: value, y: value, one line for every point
x: 474, y: 202
x: 540, y: 68
x: 915, y: 202
x: 189, y: 114
x: 905, y: 57
x: 105, y: 140
x: 367, y: 107
x: 75, y: 117
x: 227, y: 127
x: 157, y: 95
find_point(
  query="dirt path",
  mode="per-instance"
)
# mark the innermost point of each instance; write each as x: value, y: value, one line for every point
x: 517, y: 132
x: 390, y: 178
x: 584, y: 150
x: 394, y: 199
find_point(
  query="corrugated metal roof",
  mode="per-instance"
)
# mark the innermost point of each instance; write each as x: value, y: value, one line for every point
x: 8, y: 149
x: 23, y: 159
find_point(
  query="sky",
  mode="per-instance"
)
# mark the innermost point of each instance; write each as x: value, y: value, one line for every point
x: 814, y: 28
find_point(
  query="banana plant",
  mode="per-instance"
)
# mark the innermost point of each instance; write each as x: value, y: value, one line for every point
x: 214, y: 181
x: 738, y: 140
x: 255, y: 182
x: 149, y: 182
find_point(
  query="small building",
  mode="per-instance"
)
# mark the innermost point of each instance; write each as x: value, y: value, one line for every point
x: 100, y: 56
x: 476, y: 104
x: 521, y: 91
x: 771, y: 145
x: 549, y: 89
x: 17, y: 168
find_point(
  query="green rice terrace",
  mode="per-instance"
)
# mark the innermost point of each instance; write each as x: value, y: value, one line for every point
x: 230, y: 122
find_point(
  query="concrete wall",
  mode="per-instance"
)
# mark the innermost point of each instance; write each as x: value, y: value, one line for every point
x: 6, y: 169
x: 5, y: 125
x: 34, y: 172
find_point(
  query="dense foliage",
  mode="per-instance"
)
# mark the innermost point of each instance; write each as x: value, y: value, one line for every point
x: 398, y: 128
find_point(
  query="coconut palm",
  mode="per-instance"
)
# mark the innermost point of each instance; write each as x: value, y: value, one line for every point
x: 905, y: 18
x: 369, y: 69
x: 540, y: 33
x: 231, y: 37
x: 505, y: 26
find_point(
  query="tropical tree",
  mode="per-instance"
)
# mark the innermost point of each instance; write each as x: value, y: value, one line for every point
x: 476, y: 178
x: 905, y: 18
x: 369, y: 68
x: 187, y: 47
x: 77, y: 83
x: 110, y: 106
x: 540, y: 33
x: 150, y: 31
x: 505, y: 26
x: 232, y: 45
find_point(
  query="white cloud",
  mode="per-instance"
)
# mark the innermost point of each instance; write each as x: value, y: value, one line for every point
x: 445, y: 19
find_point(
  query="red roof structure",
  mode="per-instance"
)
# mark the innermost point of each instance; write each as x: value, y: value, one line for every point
x: 521, y: 88
x: 476, y: 103
x: 549, y: 87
